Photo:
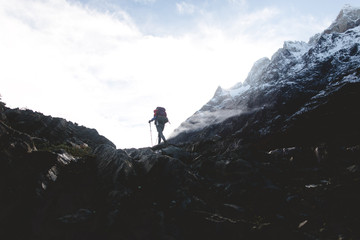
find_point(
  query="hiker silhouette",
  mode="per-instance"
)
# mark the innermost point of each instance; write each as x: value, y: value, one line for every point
x: 160, y: 118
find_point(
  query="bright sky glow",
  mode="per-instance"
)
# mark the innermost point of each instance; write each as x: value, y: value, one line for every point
x: 107, y: 64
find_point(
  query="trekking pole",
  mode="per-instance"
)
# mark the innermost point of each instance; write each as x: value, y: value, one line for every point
x: 151, y: 135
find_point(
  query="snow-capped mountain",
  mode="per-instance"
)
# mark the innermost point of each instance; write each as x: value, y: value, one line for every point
x: 298, y: 78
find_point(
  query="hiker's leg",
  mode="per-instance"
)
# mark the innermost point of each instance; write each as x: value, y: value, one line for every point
x: 159, y: 137
x: 162, y: 136
x: 160, y: 128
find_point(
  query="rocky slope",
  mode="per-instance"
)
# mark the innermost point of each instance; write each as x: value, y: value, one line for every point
x: 274, y: 158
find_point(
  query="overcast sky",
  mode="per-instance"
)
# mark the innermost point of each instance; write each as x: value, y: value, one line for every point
x: 107, y: 64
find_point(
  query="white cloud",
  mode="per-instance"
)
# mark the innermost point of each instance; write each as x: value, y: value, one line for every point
x: 238, y: 2
x: 185, y: 8
x: 254, y: 21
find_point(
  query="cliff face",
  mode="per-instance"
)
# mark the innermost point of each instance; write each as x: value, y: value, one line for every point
x: 275, y: 157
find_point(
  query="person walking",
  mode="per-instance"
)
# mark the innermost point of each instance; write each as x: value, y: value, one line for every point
x: 160, y: 118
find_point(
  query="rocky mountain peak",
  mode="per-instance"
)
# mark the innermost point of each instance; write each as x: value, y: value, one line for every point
x: 349, y: 17
x: 219, y: 91
x: 256, y: 71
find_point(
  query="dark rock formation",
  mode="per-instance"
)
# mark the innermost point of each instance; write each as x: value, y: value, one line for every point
x: 54, y: 130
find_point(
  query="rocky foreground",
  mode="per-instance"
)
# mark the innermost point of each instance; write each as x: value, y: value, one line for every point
x: 63, y: 181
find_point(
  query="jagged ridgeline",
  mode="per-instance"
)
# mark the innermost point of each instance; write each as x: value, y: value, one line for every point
x: 274, y: 157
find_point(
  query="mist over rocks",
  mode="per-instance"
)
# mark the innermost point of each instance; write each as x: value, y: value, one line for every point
x: 275, y: 157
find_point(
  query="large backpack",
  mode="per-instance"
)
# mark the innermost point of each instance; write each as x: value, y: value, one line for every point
x: 161, y: 116
x: 160, y: 111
